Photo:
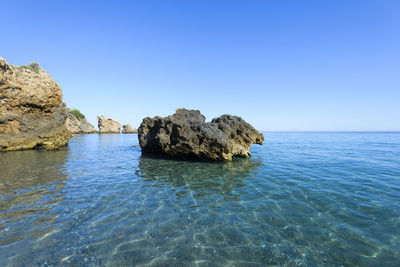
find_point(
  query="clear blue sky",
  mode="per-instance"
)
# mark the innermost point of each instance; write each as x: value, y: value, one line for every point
x: 281, y: 65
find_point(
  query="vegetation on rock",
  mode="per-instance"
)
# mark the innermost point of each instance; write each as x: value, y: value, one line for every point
x: 34, y: 66
x: 77, y: 113
x: 76, y: 123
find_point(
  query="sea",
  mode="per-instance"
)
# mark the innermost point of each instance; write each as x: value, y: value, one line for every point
x: 301, y: 199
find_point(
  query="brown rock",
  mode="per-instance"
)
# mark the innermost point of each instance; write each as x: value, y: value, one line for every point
x: 127, y: 129
x: 108, y: 125
x: 78, y: 124
x: 32, y: 114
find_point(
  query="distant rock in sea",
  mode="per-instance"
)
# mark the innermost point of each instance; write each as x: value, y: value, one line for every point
x: 32, y: 114
x: 108, y: 125
x: 127, y: 129
x: 77, y: 123
x: 186, y: 135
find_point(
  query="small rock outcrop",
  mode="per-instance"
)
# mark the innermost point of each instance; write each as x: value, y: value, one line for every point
x: 32, y: 114
x: 76, y: 123
x: 108, y: 125
x: 186, y: 134
x: 127, y: 129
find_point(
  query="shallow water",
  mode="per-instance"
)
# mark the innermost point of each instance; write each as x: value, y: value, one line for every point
x: 304, y: 199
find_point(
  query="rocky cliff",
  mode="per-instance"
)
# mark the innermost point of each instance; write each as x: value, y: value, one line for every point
x: 32, y: 114
x: 186, y: 134
x: 108, y: 125
x: 127, y: 129
x: 76, y: 123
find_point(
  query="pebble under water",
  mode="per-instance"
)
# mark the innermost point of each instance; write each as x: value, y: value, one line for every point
x: 302, y: 199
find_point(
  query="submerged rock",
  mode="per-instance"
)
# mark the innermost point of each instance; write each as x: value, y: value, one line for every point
x: 32, y: 114
x: 186, y: 134
x: 108, y: 125
x: 76, y: 123
x: 127, y: 129
x: 205, y: 179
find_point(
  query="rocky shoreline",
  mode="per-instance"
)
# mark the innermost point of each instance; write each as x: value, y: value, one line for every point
x: 33, y: 116
x: 76, y: 123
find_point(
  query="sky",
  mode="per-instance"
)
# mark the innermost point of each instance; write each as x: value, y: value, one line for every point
x: 280, y: 65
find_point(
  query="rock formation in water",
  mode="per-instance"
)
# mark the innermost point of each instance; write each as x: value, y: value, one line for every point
x: 32, y: 114
x: 108, y: 125
x: 77, y: 123
x: 186, y: 134
x: 127, y: 129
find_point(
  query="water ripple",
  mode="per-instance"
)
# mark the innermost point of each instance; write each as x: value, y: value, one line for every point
x: 304, y: 199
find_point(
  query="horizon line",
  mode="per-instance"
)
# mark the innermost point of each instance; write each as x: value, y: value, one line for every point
x: 334, y: 131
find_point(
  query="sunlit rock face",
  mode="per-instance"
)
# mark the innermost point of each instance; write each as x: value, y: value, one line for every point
x: 127, y: 129
x: 32, y: 114
x: 78, y: 124
x: 186, y: 135
x: 108, y: 125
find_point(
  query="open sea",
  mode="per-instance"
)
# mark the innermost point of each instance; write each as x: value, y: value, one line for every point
x: 302, y: 199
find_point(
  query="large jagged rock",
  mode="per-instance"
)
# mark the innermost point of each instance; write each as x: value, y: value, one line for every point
x: 32, y: 114
x: 186, y: 134
x: 77, y: 123
x: 108, y: 125
x: 127, y: 129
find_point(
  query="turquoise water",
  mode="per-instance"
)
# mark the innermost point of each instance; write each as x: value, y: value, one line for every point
x: 302, y: 199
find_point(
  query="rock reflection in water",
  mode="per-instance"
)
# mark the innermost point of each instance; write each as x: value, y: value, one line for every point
x: 212, y: 182
x: 31, y: 182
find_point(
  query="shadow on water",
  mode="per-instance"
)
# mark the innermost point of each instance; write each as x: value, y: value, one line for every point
x: 209, y: 181
x: 31, y: 182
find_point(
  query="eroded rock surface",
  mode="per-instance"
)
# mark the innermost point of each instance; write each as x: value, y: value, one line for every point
x: 108, y: 125
x: 78, y: 124
x: 32, y: 114
x: 186, y: 134
x: 127, y: 129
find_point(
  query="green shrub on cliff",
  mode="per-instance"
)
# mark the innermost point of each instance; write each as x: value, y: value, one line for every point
x: 77, y: 114
x: 34, y: 66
